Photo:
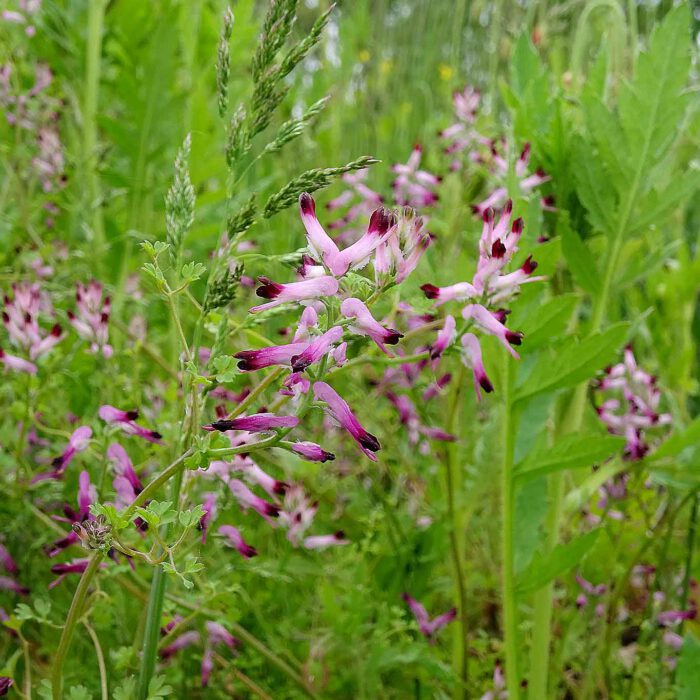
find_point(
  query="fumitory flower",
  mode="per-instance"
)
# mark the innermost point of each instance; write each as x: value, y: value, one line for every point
x: 91, y: 317
x: 364, y: 323
x: 461, y: 135
x: 312, y: 452
x: 340, y: 410
x: 361, y: 199
x: 257, y: 423
x: 427, y: 626
x: 305, y: 290
x: 235, y: 540
x: 324, y: 541
x: 247, y: 499
x: 412, y: 186
x: 126, y: 420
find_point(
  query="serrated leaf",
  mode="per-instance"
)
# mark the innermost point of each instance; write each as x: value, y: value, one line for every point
x: 560, y: 560
x: 678, y: 442
x: 569, y: 452
x: 598, y: 200
x: 545, y: 322
x: 575, y: 362
x: 580, y: 261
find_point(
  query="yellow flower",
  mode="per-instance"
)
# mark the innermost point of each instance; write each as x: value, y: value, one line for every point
x: 386, y: 66
x: 364, y: 56
x: 445, y: 71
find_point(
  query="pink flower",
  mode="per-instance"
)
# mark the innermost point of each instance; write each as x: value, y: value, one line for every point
x: 235, y: 540
x: 305, y: 290
x: 247, y: 499
x: 472, y: 359
x: 185, y: 640
x: 312, y: 452
x: 462, y: 291
x: 209, y: 507
x: 251, y: 360
x: 427, y: 626
x: 92, y: 317
x: 218, y: 634
x: 342, y: 413
x: 365, y: 324
x: 7, y: 562
x: 317, y: 349
x: 365, y: 199
x: 76, y: 566
x: 9, y: 584
x: 488, y: 323
x: 126, y: 420
x: 78, y: 442
x: 257, y: 423
x: 17, y: 363
x: 414, y: 187
x: 298, y: 514
x: 123, y: 466
x: 445, y: 338
x: 324, y: 541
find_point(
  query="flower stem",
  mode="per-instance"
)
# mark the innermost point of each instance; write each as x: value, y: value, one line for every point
x: 76, y: 609
x: 510, y: 622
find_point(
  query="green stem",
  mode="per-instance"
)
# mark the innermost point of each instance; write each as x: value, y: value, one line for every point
x: 510, y: 622
x: 453, y: 482
x: 100, y: 660
x: 96, y: 13
x: 74, y: 613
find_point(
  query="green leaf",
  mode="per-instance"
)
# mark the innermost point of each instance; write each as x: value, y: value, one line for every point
x: 652, y: 105
x: 570, y: 452
x: 598, y: 200
x: 580, y: 261
x: 560, y: 560
x: 688, y: 672
x: 678, y: 442
x: 573, y: 363
x: 543, y: 323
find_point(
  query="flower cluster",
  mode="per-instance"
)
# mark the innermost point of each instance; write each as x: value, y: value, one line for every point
x: 461, y: 136
x: 91, y: 316
x: 21, y: 314
x: 413, y: 186
x: 633, y: 407
x: 483, y: 297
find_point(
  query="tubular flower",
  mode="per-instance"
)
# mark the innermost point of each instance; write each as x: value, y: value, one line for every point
x: 78, y: 442
x: 305, y: 290
x: 317, y: 349
x: 352, y: 257
x: 5, y: 684
x: 358, y: 197
x: 123, y: 466
x: 325, y: 541
x: 247, y: 499
x: 255, y: 475
x: 365, y: 324
x: 126, y: 420
x: 7, y: 562
x: 17, y: 364
x: 21, y: 319
x: 346, y: 418
x: 638, y: 411
x: 185, y: 640
x: 525, y: 181
x: 235, y: 539
x: 488, y: 323
x: 257, y: 423
x: 251, y: 360
x: 429, y: 628
x: 91, y: 317
x: 414, y: 187
x: 312, y: 452
x: 9, y: 584
x: 76, y: 566
x: 472, y: 358
x: 209, y: 507
x: 444, y: 339
x: 461, y: 135
x: 298, y: 514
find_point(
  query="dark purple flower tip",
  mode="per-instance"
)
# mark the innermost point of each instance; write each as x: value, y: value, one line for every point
x: 71, y: 315
x: 326, y: 456
x: 508, y: 208
x: 271, y: 509
x: 5, y: 317
x: 393, y: 336
x: 476, y: 209
x: 514, y: 337
x: 155, y: 434
x: 529, y: 266
x: 339, y: 535
x: 430, y: 291
x: 498, y: 249
x: 280, y: 488
x: 486, y: 385
x: 268, y: 289
x: 540, y: 173
x: 517, y: 226
x: 549, y: 200
x: 5, y: 684
x: 418, y: 147
x: 56, y: 330
x: 131, y: 415
x: 57, y: 462
x: 299, y: 363
x: 307, y: 204
x: 488, y: 215
x: 369, y: 442
x: 381, y: 221
x: 501, y: 315
x: 525, y: 152
x: 246, y: 551
x: 221, y: 425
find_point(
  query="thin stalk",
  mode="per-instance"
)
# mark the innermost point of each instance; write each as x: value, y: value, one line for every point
x: 96, y: 13
x: 461, y: 647
x: 100, y: 660
x: 510, y: 621
x: 74, y: 613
